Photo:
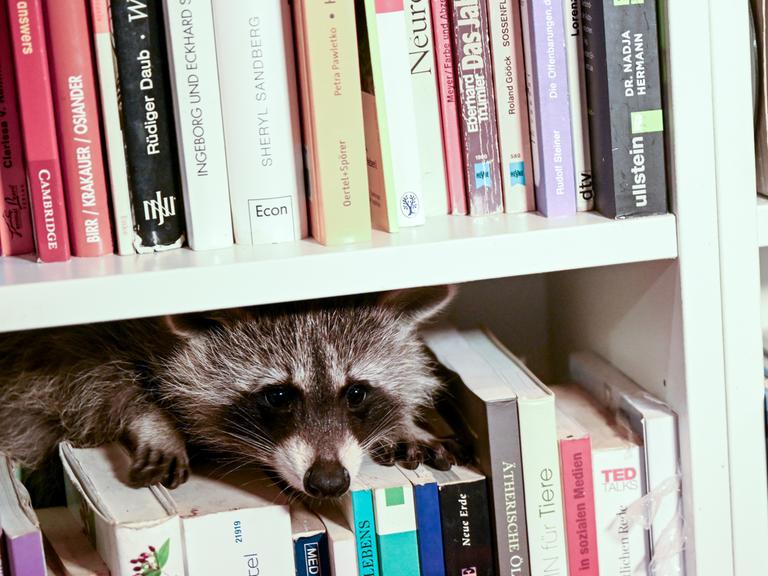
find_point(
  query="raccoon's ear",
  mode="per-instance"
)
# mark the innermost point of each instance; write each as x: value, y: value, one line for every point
x: 195, y: 323
x: 419, y: 304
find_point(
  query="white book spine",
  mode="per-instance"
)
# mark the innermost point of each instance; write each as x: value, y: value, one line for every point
x: 248, y: 541
x: 621, y: 545
x: 343, y: 556
x: 543, y: 489
x: 401, y: 118
x: 254, y: 45
x: 511, y: 105
x: 122, y: 212
x: 574, y: 47
x: 199, y: 127
x: 421, y: 47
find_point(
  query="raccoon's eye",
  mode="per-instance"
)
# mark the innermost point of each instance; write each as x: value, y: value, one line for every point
x: 356, y: 395
x: 280, y: 397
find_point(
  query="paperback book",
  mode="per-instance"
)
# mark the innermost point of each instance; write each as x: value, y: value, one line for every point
x: 310, y: 542
x: 342, y: 555
x: 67, y: 550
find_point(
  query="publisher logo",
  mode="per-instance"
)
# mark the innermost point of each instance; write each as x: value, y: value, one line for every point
x: 160, y: 208
x: 312, y: 558
x: 469, y: 571
x: 409, y: 204
x: 271, y: 219
x: 517, y: 173
x: 482, y: 175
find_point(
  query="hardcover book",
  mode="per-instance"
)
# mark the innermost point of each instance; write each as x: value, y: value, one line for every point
x: 549, y: 106
x: 485, y: 412
x: 194, y: 76
x: 449, y: 106
x: 146, y: 533
x: 357, y: 506
x: 20, y: 532
x: 423, y: 71
x: 147, y: 117
x: 67, y: 550
x: 341, y: 540
x: 511, y: 105
x: 38, y: 122
x: 332, y: 120
x: 626, y: 120
x: 391, y: 138
x: 310, y: 542
x: 254, y: 46
x: 79, y: 131
x: 16, y: 232
x: 114, y: 149
x: 474, y: 70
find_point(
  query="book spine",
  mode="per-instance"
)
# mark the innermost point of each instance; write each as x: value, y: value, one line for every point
x: 38, y: 122
x: 511, y: 105
x: 261, y: 126
x: 579, y: 504
x: 549, y: 106
x: 626, y: 117
x: 16, y: 231
x: 122, y: 212
x: 311, y: 555
x: 79, y: 131
x: 480, y: 146
x: 427, y: 503
x: 621, y: 547
x: 396, y: 530
x: 577, y: 92
x: 423, y: 72
x: 543, y: 487
x: 364, y: 527
x: 332, y: 120
x: 147, y: 113
x: 449, y: 108
x: 467, y: 536
x: 25, y: 554
x: 194, y: 76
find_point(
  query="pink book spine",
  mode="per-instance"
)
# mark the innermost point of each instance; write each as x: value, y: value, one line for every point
x: 79, y: 133
x: 579, y: 502
x: 449, y: 111
x: 33, y: 81
x: 16, y: 232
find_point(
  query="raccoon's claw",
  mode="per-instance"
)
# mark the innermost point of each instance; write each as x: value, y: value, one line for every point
x: 410, y: 453
x: 158, y: 466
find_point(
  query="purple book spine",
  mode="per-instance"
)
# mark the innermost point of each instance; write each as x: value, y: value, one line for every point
x: 25, y: 554
x: 549, y: 106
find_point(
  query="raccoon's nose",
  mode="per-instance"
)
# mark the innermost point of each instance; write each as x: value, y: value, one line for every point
x: 326, y: 479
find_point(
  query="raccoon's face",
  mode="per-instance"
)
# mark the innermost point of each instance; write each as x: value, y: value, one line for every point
x: 306, y: 389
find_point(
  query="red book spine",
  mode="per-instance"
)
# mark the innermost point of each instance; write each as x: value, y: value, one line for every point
x: 16, y: 233
x: 79, y: 132
x: 38, y: 122
x: 579, y: 504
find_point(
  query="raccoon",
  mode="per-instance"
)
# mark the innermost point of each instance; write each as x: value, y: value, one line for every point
x: 306, y: 389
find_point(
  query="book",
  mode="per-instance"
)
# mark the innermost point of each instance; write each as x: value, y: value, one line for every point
x: 239, y: 515
x: 16, y: 231
x: 426, y: 100
x: 145, y: 533
x: 67, y: 550
x: 38, y: 123
x: 254, y: 46
x: 626, y: 119
x: 357, y: 506
x: 618, y: 483
x: 474, y: 71
x: 549, y: 106
x: 578, y: 494
x: 21, y: 535
x: 147, y: 119
x: 656, y: 424
x: 194, y: 77
x: 341, y: 540
x: 449, y: 106
x: 577, y: 93
x: 511, y: 105
x: 310, y: 542
x: 79, y: 132
x: 114, y: 149
x: 487, y: 410
x: 391, y: 137
x: 538, y: 446
x: 426, y: 497
x: 332, y: 121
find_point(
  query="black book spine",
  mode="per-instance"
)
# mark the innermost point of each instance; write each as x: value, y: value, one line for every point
x: 624, y: 93
x: 467, y: 536
x: 147, y: 116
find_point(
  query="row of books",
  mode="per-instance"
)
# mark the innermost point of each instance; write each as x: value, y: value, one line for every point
x: 578, y: 479
x: 191, y: 118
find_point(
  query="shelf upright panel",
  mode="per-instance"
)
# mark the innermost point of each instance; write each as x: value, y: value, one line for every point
x: 740, y: 280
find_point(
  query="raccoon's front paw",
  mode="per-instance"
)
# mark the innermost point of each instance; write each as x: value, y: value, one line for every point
x: 159, y: 465
x: 412, y: 452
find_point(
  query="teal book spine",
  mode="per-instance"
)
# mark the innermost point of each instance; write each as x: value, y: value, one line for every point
x: 396, y: 531
x: 365, y: 533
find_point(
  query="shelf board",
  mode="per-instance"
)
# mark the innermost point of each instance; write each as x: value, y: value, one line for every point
x: 762, y: 221
x: 448, y: 249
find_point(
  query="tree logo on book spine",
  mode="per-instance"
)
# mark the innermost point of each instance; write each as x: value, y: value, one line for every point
x: 151, y: 562
x: 409, y: 204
